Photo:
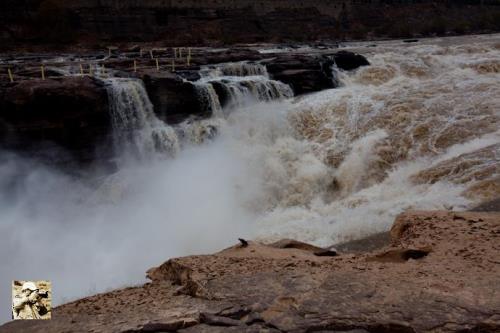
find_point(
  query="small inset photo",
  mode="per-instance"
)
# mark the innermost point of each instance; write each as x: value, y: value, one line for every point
x: 31, y: 299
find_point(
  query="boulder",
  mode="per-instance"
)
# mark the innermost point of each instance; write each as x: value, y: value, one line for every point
x: 304, y: 74
x: 304, y: 80
x: 174, y: 98
x: 347, y: 60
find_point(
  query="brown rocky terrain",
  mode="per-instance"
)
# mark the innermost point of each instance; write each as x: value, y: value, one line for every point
x: 439, y: 273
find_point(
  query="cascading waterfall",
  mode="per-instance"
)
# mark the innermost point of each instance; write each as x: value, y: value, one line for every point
x: 242, y: 91
x: 239, y: 84
x: 242, y: 68
x: 207, y: 96
x: 136, y: 128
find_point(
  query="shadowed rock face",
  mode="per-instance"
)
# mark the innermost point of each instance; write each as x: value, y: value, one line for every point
x: 198, y: 22
x: 173, y: 98
x: 307, y: 74
x: 71, y: 112
x: 348, y: 61
x: 304, y: 74
x: 439, y: 274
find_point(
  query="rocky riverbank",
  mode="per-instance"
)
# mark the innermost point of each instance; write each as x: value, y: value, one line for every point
x: 439, y: 273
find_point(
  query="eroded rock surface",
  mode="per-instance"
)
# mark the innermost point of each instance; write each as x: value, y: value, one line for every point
x: 439, y: 274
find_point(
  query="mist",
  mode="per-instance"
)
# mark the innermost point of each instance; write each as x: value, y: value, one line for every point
x: 90, y: 235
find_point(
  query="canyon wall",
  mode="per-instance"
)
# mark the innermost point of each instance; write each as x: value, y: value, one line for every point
x: 232, y: 21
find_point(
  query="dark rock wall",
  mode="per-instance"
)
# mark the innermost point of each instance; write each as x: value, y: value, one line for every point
x: 44, y: 117
x: 174, y: 100
x: 196, y: 22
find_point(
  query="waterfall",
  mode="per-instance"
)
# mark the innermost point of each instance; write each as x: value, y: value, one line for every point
x: 136, y: 129
x: 207, y: 96
x: 237, y: 91
x: 242, y: 68
x: 233, y: 85
x: 340, y: 78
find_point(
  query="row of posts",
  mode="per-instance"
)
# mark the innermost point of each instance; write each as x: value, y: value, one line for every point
x: 177, y: 55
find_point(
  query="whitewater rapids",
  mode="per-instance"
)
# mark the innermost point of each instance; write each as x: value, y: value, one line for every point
x: 418, y: 129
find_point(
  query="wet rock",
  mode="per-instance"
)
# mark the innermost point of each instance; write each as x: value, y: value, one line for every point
x: 190, y: 75
x: 304, y: 80
x: 221, y: 92
x: 174, y: 99
x: 305, y: 74
x: 70, y: 112
x: 348, y: 60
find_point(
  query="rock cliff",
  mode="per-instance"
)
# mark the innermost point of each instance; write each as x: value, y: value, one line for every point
x: 235, y: 21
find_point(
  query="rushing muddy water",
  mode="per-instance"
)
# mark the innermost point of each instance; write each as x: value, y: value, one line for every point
x: 418, y: 129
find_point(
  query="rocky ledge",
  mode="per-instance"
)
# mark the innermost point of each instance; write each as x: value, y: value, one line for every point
x: 439, y: 273
x: 70, y: 111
